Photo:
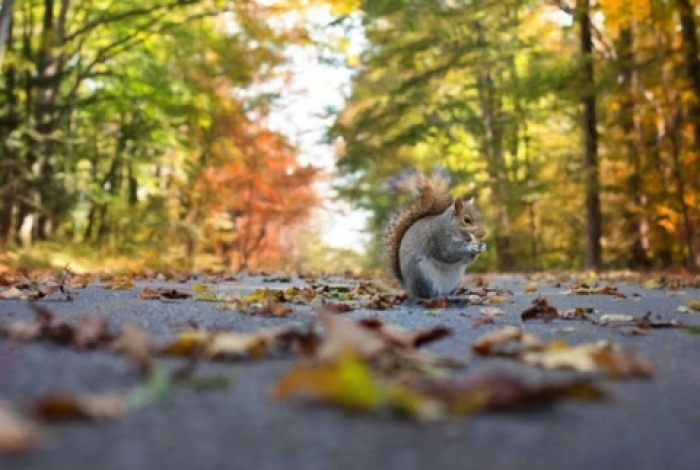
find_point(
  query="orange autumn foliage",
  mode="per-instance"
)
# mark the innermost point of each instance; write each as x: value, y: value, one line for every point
x: 255, y: 199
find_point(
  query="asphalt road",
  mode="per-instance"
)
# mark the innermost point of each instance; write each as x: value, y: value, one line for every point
x: 646, y: 424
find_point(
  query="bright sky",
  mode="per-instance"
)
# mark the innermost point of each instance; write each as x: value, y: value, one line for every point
x: 301, y: 115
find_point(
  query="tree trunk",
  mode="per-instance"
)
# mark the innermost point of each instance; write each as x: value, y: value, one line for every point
x: 632, y: 224
x: 492, y: 125
x: 592, y: 258
x: 691, y: 53
x: 5, y: 21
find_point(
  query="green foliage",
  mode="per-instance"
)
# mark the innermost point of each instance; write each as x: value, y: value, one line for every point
x: 491, y: 90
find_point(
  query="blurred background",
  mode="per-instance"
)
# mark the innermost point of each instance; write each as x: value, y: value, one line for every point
x: 257, y: 135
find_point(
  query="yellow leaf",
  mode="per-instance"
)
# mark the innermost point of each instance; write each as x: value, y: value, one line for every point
x: 347, y: 382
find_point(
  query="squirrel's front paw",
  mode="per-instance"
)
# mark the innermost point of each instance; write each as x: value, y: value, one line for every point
x: 477, y: 247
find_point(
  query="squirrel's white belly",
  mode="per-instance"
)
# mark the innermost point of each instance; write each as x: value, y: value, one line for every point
x: 442, y: 279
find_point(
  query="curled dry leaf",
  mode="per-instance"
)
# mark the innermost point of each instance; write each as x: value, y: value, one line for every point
x: 125, y: 284
x: 438, y: 302
x: 17, y: 434
x: 229, y: 345
x: 91, y: 331
x: 615, y: 318
x: 135, y: 343
x: 499, y: 390
x: 506, y: 341
x: 604, y: 290
x: 576, y: 313
x: 60, y: 407
x: 401, y: 337
x: 345, y: 338
x: 591, y: 357
x: 692, y: 307
x: 163, y: 293
x: 14, y: 293
x: 491, y: 311
x: 540, y: 310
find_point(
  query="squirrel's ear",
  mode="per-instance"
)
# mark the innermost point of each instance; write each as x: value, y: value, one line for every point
x: 457, y: 207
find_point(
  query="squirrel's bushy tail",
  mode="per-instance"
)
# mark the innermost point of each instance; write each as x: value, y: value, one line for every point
x: 432, y: 198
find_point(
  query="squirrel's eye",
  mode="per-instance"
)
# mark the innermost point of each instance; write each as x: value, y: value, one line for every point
x: 467, y: 219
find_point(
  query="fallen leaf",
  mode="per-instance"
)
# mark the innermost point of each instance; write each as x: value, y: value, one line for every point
x: 13, y: 293
x: 149, y: 294
x: 491, y: 311
x: 59, y: 407
x: 226, y: 345
x: 120, y: 285
x: 694, y: 304
x: 576, y: 313
x: 591, y: 357
x: 478, y: 321
x: 403, y: 338
x: 135, y: 343
x: 17, y: 434
x: 347, y: 382
x: 540, y: 310
x: 499, y: 390
x: 173, y: 294
x: 345, y: 338
x: 605, y: 290
x: 507, y: 341
x: 530, y: 288
x: 438, y: 302
x: 615, y: 318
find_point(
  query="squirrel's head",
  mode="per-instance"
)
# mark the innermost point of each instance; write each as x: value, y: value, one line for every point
x: 468, y: 219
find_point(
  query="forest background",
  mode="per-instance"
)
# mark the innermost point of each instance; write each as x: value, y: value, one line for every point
x: 143, y: 133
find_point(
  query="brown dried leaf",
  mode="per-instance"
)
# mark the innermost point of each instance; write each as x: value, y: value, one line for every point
x: 337, y: 307
x: 173, y: 294
x: 438, y: 302
x: 507, y: 341
x: 120, y: 285
x: 400, y: 337
x: 226, y: 345
x: 540, y: 310
x: 345, y: 338
x: 135, y: 343
x: 13, y: 293
x: 59, y: 407
x: 591, y: 357
x: 17, y: 434
x: 91, y: 332
x: 605, y: 290
x: 500, y: 390
x: 149, y: 294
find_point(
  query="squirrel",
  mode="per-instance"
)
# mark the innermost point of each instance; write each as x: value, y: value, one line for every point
x: 429, y: 242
